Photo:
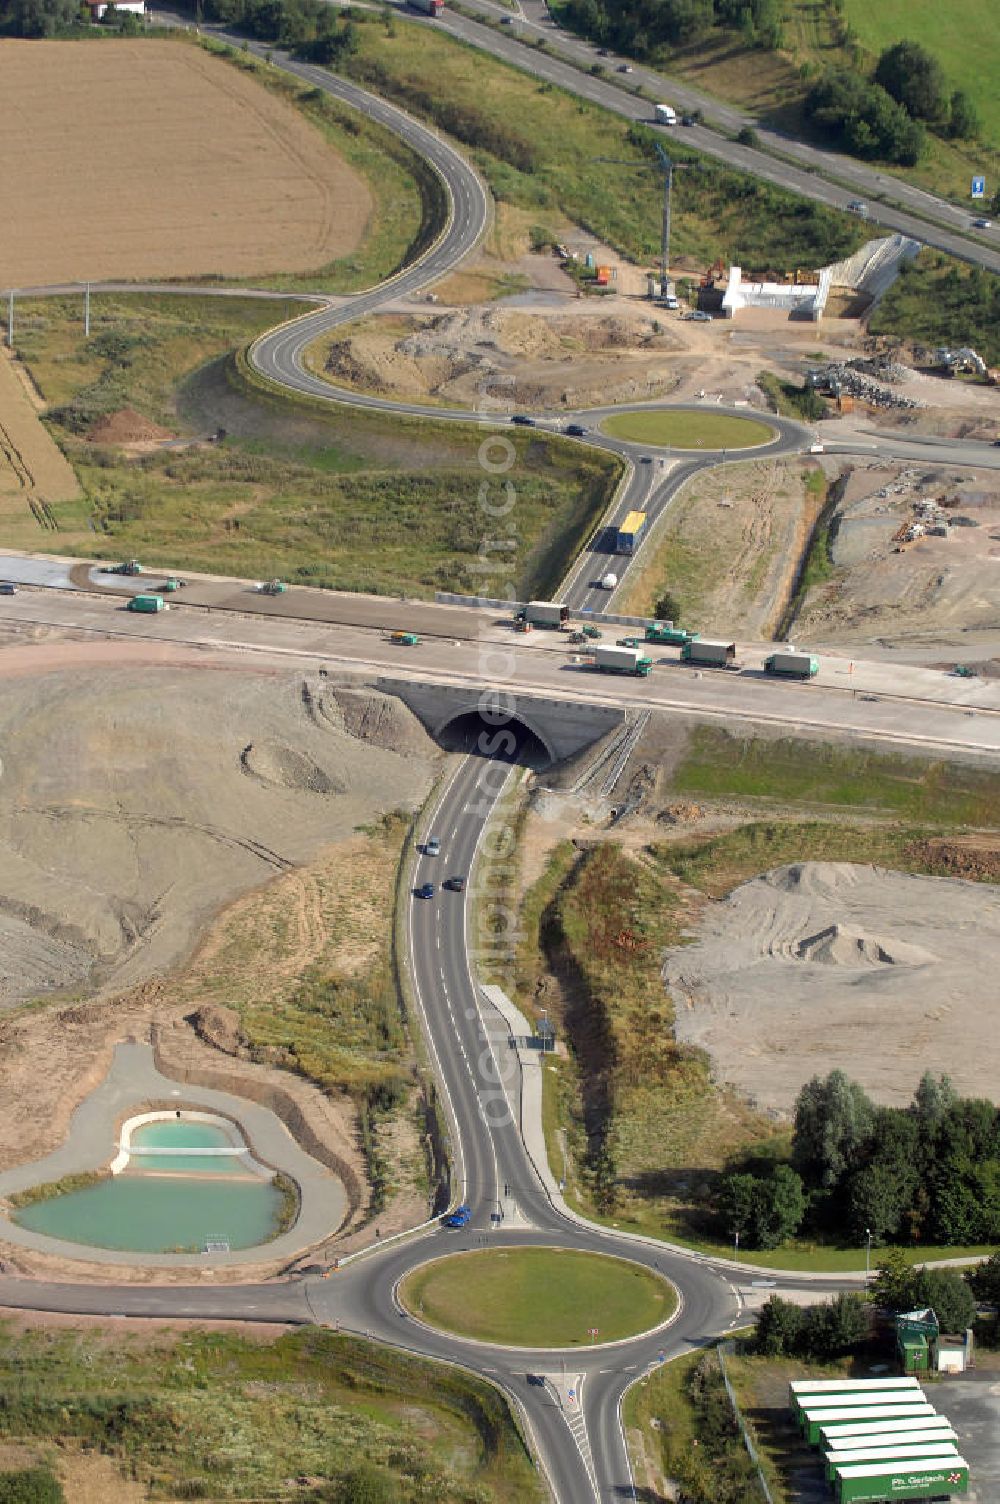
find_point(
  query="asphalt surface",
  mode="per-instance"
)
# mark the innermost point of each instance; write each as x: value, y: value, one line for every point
x: 815, y: 173
x: 578, y: 1438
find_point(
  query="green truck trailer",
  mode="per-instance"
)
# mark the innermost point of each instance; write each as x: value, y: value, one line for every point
x: 666, y: 632
x: 872, y: 1398
x: 792, y: 665
x: 813, y: 1422
x: 912, y: 1453
x: 806, y: 1391
x: 147, y: 603
x: 876, y: 1482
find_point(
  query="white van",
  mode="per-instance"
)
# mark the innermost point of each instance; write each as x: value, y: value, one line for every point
x: 666, y: 114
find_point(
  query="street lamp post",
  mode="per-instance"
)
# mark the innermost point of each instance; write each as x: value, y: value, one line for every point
x: 868, y: 1254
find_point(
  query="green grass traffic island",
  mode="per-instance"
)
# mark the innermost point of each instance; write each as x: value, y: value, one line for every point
x: 677, y: 428
x: 538, y: 1297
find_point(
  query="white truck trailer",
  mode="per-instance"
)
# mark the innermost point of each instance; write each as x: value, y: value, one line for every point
x: 622, y: 660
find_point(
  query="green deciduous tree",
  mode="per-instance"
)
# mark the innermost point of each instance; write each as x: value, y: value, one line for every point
x: 833, y: 1121
x: 948, y: 1295
x: 914, y: 77
x: 837, y: 1327
x: 779, y: 1328
x: 40, y: 18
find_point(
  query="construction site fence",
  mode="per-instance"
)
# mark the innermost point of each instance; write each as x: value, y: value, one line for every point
x: 483, y: 602
x: 746, y: 1430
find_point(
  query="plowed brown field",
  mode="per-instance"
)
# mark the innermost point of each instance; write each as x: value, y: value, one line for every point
x: 151, y: 159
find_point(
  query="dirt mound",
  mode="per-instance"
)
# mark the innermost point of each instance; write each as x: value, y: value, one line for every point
x: 815, y: 966
x: 127, y: 816
x: 381, y: 720
x: 839, y: 945
x: 541, y: 357
x: 287, y: 768
x: 126, y: 426
x: 219, y: 1027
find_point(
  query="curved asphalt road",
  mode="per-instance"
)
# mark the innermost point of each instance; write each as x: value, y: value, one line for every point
x: 579, y: 1441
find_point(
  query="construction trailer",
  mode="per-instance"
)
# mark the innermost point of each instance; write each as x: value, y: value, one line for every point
x: 875, y: 1482
x: 792, y: 665
x: 813, y: 1422
x: 629, y: 534
x: 622, y: 660
x: 803, y: 1387
x: 937, y: 1451
x: 553, y: 614
x: 891, y: 1433
x: 880, y: 1398
x: 709, y: 654
x: 148, y: 603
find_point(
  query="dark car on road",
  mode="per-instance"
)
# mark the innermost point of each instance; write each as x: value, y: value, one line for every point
x: 460, y: 1217
x: 455, y: 884
x: 523, y: 420
x: 575, y: 430
x: 426, y: 890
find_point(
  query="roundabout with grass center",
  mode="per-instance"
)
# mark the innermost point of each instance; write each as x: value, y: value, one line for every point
x: 538, y: 1297
x: 683, y: 428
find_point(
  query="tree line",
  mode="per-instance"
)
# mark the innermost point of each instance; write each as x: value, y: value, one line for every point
x: 887, y: 116
x: 639, y: 27
x: 926, y: 1173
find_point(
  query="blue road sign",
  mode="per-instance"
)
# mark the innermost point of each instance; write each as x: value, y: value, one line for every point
x: 978, y: 187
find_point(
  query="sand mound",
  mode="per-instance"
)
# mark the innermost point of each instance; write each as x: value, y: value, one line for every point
x: 126, y: 426
x: 829, y: 964
x: 287, y: 768
x: 839, y: 945
x: 381, y: 720
x: 133, y: 803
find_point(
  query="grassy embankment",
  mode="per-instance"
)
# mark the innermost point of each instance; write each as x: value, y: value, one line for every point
x: 207, y: 1415
x: 307, y: 966
x: 939, y: 301
x: 818, y: 34
x: 736, y: 575
x: 536, y: 145
x: 680, y: 1426
x: 320, y: 496
x: 538, y: 1297
x: 633, y: 1120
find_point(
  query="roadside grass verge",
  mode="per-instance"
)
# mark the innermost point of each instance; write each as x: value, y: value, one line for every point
x: 688, y: 430
x: 797, y: 773
x: 204, y: 1414
x: 680, y: 1426
x: 536, y: 145
x: 538, y: 1297
x: 317, y: 495
x: 939, y: 301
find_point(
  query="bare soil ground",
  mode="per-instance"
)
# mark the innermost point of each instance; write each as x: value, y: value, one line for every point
x: 33, y: 470
x: 134, y: 804
x: 729, y: 549
x: 152, y: 159
x: 541, y: 357
x: 822, y: 965
x: 918, y: 592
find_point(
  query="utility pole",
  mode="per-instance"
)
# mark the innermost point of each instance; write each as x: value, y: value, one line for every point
x: 668, y: 167
x: 10, y: 320
x: 86, y: 310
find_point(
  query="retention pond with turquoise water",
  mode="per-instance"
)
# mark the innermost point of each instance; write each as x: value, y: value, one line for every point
x: 183, y: 1184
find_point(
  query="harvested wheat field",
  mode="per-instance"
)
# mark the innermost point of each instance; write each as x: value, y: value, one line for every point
x: 140, y: 159
x: 31, y: 464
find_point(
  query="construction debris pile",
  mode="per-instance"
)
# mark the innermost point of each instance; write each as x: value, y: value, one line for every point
x: 868, y: 379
